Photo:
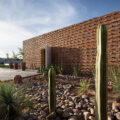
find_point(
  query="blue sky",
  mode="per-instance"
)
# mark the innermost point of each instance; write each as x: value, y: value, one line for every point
x: 23, y: 19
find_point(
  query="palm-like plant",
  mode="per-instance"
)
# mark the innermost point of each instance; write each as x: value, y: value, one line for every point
x: 20, y: 53
x: 83, y: 87
x: 11, y: 102
x: 7, y: 57
x: 14, y: 56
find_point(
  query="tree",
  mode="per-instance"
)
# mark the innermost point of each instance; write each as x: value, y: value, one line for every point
x: 20, y: 53
x: 14, y: 56
x: 7, y: 56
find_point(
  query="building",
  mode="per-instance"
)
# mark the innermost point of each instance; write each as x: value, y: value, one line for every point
x: 75, y: 44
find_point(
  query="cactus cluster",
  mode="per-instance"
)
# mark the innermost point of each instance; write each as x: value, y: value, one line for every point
x: 101, y: 71
x: 52, y: 90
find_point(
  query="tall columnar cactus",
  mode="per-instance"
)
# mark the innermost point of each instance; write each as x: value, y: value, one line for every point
x: 101, y: 71
x: 52, y: 90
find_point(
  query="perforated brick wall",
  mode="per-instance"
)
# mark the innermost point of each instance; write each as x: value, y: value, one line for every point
x: 76, y: 44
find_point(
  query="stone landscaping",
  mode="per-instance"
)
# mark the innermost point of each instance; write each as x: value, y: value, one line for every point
x: 70, y: 106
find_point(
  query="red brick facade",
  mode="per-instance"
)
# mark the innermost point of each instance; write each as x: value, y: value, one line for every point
x: 76, y: 44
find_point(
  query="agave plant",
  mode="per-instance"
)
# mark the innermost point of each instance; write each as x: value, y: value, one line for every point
x: 115, y: 79
x: 11, y: 102
x: 83, y: 87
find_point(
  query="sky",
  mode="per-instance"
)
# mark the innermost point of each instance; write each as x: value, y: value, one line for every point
x: 23, y: 19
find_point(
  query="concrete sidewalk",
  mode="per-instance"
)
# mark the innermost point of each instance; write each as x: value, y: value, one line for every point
x: 8, y: 74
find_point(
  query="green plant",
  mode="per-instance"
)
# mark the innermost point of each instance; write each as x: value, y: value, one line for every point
x: 52, y: 90
x: 4, y: 66
x: 61, y: 70
x: 14, y: 56
x: 41, y: 70
x: 76, y: 70
x: 20, y: 53
x: 67, y: 77
x: 56, y: 68
x: 7, y: 57
x: 11, y: 102
x: 115, y: 79
x: 93, y: 70
x: 83, y: 87
x: 101, y: 80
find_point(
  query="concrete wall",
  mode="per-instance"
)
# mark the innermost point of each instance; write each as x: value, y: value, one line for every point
x: 48, y: 56
x: 76, y: 44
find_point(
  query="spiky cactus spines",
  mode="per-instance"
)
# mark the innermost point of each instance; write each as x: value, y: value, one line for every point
x: 52, y: 90
x: 101, y: 70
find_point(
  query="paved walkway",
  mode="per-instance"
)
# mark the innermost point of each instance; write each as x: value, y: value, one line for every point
x: 8, y: 74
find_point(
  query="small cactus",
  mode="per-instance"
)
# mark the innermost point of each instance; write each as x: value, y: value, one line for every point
x: 52, y: 90
x: 101, y: 81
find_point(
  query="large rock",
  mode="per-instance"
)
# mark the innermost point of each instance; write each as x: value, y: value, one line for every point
x: 73, y: 118
x: 51, y: 116
x: 118, y: 116
x: 18, y: 79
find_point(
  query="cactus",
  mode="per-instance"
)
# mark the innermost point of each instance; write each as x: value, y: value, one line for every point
x: 52, y: 90
x: 101, y: 80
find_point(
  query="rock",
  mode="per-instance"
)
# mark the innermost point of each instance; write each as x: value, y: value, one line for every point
x: 43, y: 113
x: 86, y: 115
x: 68, y: 86
x: 69, y: 110
x: 78, y: 106
x: 71, y: 104
x: 118, y: 99
x: 65, y: 114
x: 59, y: 112
x: 85, y: 106
x: 115, y: 105
x: 110, y: 116
x: 19, y: 118
x: 29, y: 119
x: 91, y: 118
x: 92, y: 111
x: 81, y: 116
x: 18, y: 79
x: 72, y: 118
x: 46, y: 110
x: 51, y: 116
x: 25, y: 116
x: 76, y: 111
x: 84, y: 97
x: 118, y: 115
x: 57, y: 118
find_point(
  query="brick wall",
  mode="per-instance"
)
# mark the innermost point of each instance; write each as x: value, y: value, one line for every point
x: 76, y: 44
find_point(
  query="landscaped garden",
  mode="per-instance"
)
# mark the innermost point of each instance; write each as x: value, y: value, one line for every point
x: 52, y: 95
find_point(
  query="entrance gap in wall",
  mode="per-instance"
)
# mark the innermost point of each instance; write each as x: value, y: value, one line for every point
x: 46, y: 56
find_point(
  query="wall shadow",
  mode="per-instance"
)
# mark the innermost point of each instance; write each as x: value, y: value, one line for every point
x: 68, y: 58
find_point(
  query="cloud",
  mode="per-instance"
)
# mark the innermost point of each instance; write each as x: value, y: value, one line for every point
x: 11, y: 37
x: 20, y: 20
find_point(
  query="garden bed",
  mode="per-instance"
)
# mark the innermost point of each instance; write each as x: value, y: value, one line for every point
x: 70, y: 105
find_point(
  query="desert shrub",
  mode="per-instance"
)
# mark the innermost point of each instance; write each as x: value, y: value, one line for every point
x: 83, y: 87
x: 61, y: 70
x: 44, y: 70
x: 93, y: 71
x: 67, y: 77
x: 115, y: 79
x: 4, y: 66
x: 11, y: 102
x: 41, y: 70
x: 76, y: 70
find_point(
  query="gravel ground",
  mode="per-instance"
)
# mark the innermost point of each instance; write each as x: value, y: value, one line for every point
x: 69, y: 105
